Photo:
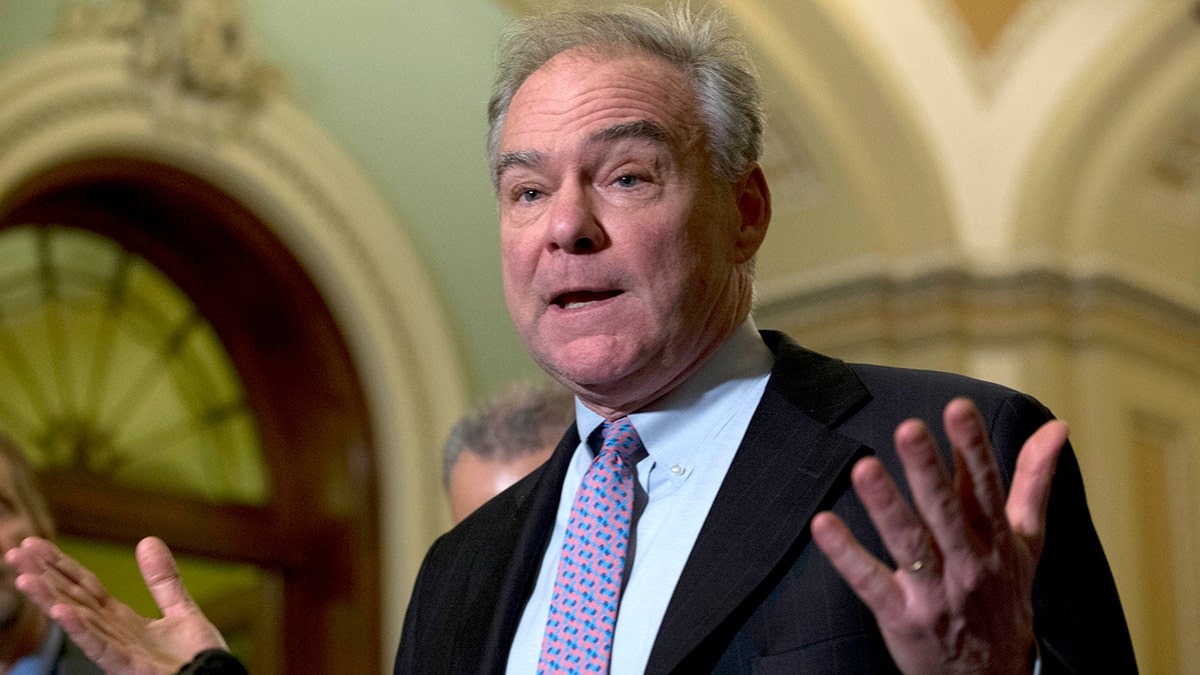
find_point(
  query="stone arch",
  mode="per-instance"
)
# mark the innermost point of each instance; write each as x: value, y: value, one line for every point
x: 1114, y: 180
x: 843, y: 132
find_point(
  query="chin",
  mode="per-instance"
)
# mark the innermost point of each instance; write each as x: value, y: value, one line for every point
x: 591, y: 363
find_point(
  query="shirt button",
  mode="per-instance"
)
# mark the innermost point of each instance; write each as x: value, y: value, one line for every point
x: 678, y: 470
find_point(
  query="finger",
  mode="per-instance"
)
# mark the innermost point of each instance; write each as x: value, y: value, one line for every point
x: 871, y: 580
x: 969, y: 438
x: 162, y: 577
x: 40, y: 593
x: 51, y: 576
x: 55, y: 602
x: 105, y: 648
x: 902, y: 531
x: 76, y: 582
x: 33, y: 555
x: 975, y: 517
x: 78, y: 620
x: 933, y: 491
x: 1030, y: 494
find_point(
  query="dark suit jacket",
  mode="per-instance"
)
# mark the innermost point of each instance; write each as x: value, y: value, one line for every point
x: 71, y: 661
x: 756, y: 595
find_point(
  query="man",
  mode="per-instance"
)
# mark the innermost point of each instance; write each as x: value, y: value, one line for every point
x: 29, y: 642
x: 501, y: 441
x: 624, y: 148
x: 753, y: 506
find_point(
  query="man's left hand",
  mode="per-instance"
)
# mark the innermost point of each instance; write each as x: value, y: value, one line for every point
x: 960, y: 599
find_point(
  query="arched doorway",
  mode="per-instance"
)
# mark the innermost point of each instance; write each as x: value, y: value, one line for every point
x: 316, y: 529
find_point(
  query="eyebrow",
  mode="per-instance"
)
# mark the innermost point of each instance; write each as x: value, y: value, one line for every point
x: 521, y: 158
x: 643, y: 129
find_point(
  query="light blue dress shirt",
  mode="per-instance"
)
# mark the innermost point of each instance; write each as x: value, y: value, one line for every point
x: 690, y: 436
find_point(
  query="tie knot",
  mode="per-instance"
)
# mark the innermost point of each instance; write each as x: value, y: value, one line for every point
x: 619, y: 435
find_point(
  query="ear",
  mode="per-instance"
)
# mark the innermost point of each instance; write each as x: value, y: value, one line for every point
x: 754, y: 204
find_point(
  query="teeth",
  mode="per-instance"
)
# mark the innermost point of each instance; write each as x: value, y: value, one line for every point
x: 573, y: 305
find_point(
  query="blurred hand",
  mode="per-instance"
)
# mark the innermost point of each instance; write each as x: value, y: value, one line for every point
x: 111, y: 634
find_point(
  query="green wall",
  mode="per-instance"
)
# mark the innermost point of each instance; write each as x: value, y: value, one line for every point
x: 403, y: 86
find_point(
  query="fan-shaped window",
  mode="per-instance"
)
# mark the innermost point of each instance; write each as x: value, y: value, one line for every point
x: 106, y: 367
x: 172, y: 370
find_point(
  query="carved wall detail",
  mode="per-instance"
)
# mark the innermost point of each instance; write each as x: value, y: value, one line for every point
x: 194, y: 60
x: 1177, y: 174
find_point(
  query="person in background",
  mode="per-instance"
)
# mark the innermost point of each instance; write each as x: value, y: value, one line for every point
x: 746, y: 504
x: 30, y: 643
x: 501, y: 441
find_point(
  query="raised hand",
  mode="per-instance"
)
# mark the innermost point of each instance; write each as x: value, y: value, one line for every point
x: 111, y: 634
x: 960, y: 600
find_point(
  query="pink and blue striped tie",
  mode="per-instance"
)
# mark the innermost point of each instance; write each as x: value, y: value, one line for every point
x: 587, y: 590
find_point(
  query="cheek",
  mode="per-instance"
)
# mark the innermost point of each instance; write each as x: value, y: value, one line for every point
x: 679, y: 272
x: 515, y: 273
x: 515, y: 297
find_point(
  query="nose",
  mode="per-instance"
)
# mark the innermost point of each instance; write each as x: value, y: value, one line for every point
x: 574, y: 227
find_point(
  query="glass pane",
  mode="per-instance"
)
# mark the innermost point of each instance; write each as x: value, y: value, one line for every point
x: 106, y: 367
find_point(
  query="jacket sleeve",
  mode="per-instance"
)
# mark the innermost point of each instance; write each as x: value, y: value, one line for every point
x: 214, y: 662
x: 1078, y: 619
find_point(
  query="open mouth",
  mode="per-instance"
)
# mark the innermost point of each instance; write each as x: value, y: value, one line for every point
x: 575, y: 299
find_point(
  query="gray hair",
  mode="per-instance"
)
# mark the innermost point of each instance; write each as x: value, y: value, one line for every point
x: 701, y: 44
x: 519, y: 421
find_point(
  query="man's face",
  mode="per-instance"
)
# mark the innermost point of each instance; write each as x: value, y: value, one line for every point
x: 621, y: 251
x: 16, y: 523
x: 474, y: 480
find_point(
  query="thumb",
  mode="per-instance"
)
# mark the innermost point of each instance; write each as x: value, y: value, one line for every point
x: 1029, y: 496
x: 162, y: 577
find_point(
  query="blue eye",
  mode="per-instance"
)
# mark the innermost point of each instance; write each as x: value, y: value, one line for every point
x: 628, y: 181
x: 530, y: 195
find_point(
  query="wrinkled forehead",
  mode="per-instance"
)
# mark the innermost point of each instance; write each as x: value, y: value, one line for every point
x: 585, y: 91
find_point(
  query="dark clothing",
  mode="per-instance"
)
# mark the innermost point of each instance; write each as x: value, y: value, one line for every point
x: 72, y: 661
x: 214, y: 662
x: 756, y: 595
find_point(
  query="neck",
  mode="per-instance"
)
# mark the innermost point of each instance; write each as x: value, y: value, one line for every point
x: 619, y: 402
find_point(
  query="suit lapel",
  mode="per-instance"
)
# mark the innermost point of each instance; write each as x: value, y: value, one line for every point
x: 785, y: 467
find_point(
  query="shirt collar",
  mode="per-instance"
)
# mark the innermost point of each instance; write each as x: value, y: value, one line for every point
x: 695, y: 409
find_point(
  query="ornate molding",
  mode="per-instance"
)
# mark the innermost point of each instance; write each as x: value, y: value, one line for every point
x: 194, y: 60
x: 954, y: 304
